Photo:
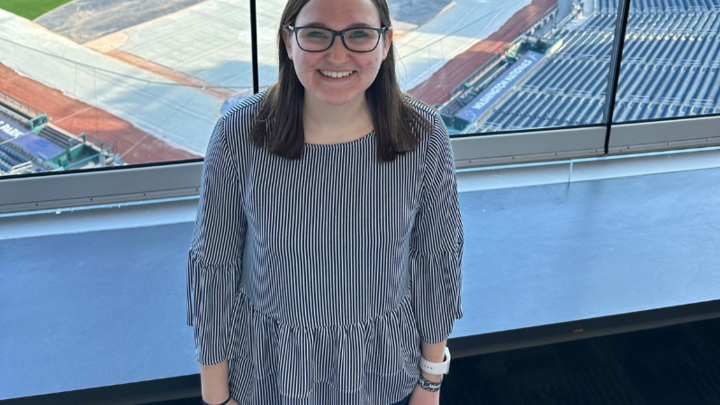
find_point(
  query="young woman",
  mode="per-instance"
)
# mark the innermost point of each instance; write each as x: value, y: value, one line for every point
x: 325, y: 262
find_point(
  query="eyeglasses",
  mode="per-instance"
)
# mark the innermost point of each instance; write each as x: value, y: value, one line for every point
x: 314, y: 39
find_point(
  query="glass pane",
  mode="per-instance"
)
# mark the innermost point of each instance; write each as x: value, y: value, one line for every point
x: 540, y: 66
x: 496, y: 65
x: 93, y: 83
x: 670, y: 60
x: 268, y: 21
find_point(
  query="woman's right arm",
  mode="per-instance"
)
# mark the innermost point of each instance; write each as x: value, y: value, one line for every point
x: 215, y: 265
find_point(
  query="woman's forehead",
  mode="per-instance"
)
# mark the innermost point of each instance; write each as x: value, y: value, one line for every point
x: 338, y: 14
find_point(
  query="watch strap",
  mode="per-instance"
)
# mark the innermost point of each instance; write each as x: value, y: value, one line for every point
x: 436, y: 368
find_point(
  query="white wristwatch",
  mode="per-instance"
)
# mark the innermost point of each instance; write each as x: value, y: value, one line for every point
x: 436, y: 368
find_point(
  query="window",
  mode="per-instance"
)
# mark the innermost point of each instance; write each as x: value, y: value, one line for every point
x: 127, y: 98
x: 497, y: 66
x: 670, y: 61
x: 668, y: 85
x: 87, y: 85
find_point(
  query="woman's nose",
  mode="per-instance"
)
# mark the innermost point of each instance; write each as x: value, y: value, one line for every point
x: 337, y: 50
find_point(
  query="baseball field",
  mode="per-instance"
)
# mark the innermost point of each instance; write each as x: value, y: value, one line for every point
x: 30, y: 9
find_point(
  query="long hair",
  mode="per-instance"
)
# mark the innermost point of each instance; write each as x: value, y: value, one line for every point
x: 278, y: 123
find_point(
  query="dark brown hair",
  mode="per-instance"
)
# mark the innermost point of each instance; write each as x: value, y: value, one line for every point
x: 278, y: 123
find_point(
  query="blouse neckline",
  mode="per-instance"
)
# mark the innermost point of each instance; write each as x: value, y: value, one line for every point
x: 340, y: 145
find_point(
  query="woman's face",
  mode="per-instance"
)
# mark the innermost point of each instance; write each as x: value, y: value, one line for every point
x: 337, y: 15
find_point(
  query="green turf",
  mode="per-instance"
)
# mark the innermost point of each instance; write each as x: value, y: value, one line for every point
x: 30, y: 9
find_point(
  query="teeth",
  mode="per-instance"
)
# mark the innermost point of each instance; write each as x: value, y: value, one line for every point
x: 335, y: 74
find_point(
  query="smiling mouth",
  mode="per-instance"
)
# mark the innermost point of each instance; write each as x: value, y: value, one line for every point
x: 337, y: 75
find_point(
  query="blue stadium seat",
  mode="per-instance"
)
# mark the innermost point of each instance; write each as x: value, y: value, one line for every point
x: 589, y: 109
x: 714, y: 87
x: 493, y: 116
x: 663, y: 111
x: 5, y: 159
x: 11, y: 153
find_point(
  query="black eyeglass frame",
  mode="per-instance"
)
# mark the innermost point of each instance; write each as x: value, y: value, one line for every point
x: 338, y: 33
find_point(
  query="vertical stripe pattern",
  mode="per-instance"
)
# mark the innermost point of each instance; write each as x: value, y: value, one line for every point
x: 318, y: 278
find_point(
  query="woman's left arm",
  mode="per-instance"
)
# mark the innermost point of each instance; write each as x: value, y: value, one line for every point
x: 436, y: 244
x: 436, y: 248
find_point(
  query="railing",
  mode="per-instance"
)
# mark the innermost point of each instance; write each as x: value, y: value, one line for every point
x: 22, y: 168
x: 38, y: 123
x: 477, y: 74
x: 11, y: 101
x: 104, y: 146
x: 103, y: 151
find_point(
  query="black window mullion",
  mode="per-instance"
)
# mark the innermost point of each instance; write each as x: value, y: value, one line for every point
x: 254, y: 46
x: 615, y: 61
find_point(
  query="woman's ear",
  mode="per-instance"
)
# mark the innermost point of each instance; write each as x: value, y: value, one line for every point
x: 288, y: 44
x: 387, y: 42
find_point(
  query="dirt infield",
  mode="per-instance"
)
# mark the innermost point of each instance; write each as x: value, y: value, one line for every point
x: 133, y: 145
x: 438, y: 86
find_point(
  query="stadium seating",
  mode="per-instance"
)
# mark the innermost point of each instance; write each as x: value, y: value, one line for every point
x: 669, y: 69
x: 10, y: 156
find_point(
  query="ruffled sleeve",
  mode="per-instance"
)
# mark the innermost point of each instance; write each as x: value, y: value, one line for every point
x: 215, y: 255
x: 436, y: 244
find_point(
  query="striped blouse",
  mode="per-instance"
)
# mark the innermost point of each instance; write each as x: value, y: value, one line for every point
x: 318, y: 278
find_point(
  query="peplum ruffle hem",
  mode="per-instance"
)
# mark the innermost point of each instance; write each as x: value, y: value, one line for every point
x: 341, y: 358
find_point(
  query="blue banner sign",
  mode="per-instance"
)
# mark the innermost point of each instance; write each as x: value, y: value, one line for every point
x: 483, y: 101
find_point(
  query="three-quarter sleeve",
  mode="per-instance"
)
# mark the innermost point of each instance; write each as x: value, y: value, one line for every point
x: 215, y: 255
x: 436, y: 242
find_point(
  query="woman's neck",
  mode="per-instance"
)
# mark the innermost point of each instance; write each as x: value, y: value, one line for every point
x: 325, y: 123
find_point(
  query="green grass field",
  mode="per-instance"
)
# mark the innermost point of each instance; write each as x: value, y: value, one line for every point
x: 30, y: 9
